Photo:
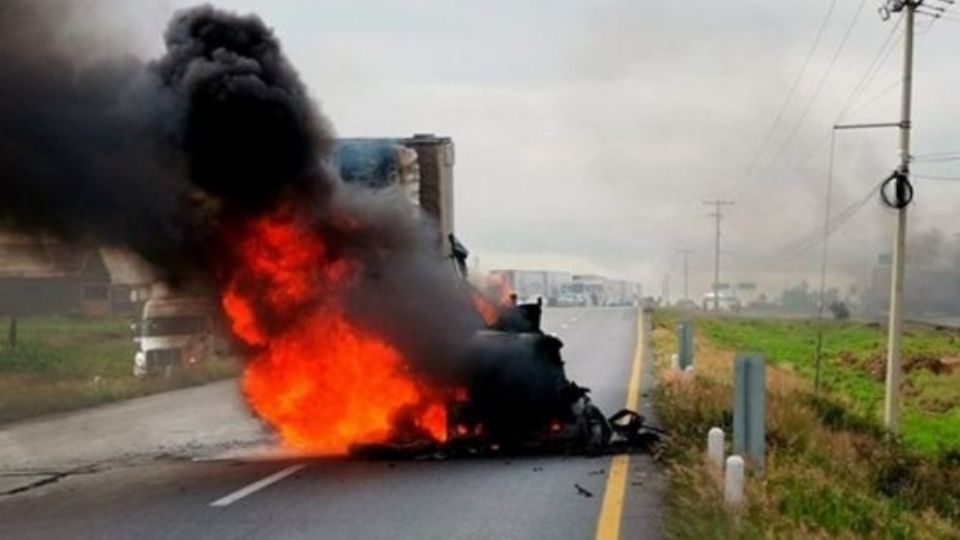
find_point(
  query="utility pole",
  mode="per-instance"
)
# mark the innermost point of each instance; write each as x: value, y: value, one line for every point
x: 891, y: 410
x: 818, y: 355
x: 717, y: 215
x: 686, y: 273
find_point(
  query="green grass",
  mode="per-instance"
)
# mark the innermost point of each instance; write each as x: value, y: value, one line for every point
x: 854, y: 360
x: 830, y: 471
x: 63, y: 363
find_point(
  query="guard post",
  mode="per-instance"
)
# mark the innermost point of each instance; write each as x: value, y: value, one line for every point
x: 684, y: 345
x: 749, y: 407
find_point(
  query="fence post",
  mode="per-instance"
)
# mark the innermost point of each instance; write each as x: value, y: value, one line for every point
x: 684, y: 345
x: 749, y: 407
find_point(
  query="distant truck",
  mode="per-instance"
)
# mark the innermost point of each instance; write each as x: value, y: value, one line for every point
x: 725, y: 301
x: 529, y: 285
x: 619, y: 292
x: 591, y: 286
x: 176, y: 331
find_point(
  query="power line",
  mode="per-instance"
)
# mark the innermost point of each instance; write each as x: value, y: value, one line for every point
x: 933, y: 155
x: 943, y: 159
x: 793, y: 89
x: 811, y: 239
x: 879, y: 94
x: 820, y: 85
x: 936, y: 177
x: 873, y: 68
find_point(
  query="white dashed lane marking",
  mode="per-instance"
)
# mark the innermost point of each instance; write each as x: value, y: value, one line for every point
x: 257, y: 486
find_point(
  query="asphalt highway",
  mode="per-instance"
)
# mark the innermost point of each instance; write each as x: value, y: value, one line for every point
x: 194, y: 488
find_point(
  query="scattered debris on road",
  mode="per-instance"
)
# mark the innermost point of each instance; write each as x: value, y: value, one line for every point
x: 583, y: 491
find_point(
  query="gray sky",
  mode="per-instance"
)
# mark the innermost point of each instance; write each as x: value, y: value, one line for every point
x: 588, y: 132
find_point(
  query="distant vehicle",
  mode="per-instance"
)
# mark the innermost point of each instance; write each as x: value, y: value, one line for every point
x: 726, y: 302
x: 174, y: 332
x: 570, y: 299
x: 532, y: 284
x: 592, y: 286
x: 686, y: 305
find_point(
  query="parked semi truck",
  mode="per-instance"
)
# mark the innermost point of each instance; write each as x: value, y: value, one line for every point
x: 176, y: 330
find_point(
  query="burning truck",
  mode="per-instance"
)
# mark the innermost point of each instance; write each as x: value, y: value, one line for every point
x: 349, y: 305
x: 516, y: 395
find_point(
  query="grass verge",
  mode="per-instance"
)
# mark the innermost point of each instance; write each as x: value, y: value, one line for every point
x: 66, y: 363
x: 830, y: 472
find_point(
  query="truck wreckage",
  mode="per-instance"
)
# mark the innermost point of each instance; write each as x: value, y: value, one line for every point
x: 519, y: 401
x: 516, y: 397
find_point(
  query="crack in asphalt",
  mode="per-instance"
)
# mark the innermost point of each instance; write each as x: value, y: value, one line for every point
x: 50, y: 477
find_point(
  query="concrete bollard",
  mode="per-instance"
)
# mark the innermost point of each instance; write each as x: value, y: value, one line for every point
x: 733, y: 482
x: 715, y: 449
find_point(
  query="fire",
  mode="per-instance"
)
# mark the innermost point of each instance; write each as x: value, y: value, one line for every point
x: 498, y: 296
x: 500, y: 289
x: 322, y: 381
x: 488, y: 310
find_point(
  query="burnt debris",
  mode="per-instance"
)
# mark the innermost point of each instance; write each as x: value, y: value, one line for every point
x: 519, y: 401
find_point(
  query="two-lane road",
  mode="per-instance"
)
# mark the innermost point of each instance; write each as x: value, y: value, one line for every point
x: 342, y: 498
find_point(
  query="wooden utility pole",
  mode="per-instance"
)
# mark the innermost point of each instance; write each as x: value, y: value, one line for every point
x: 717, y: 215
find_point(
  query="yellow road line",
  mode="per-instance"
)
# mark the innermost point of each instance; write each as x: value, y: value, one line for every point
x: 611, y: 510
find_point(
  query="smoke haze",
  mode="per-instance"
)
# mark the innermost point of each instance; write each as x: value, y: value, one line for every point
x: 167, y: 157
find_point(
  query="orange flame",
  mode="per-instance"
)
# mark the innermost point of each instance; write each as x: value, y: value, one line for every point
x: 497, y: 297
x: 321, y: 381
x: 487, y: 310
x: 500, y: 289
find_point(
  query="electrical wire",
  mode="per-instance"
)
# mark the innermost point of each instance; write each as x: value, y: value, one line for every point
x: 790, y: 93
x: 937, y: 154
x: 938, y: 160
x: 820, y: 85
x: 877, y: 95
x: 875, y: 66
x: 935, y: 177
x: 811, y: 239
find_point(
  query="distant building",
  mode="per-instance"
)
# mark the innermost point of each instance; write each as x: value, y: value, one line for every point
x: 44, y: 276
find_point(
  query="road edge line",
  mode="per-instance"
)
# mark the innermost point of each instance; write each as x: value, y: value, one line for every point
x: 254, y: 487
x: 614, y: 495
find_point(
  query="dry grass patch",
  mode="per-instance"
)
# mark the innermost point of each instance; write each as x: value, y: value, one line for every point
x: 829, y: 473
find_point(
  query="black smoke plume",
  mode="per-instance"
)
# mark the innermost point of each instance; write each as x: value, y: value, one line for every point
x: 152, y: 156
x: 166, y: 157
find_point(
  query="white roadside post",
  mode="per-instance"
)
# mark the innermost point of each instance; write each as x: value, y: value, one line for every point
x: 733, y: 482
x: 715, y: 450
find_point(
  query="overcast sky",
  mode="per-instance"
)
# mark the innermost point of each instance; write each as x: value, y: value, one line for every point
x: 589, y: 132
